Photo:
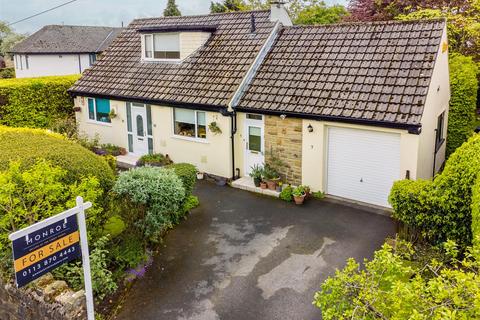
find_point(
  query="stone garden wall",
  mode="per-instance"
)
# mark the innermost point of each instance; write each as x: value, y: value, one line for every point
x: 47, y: 299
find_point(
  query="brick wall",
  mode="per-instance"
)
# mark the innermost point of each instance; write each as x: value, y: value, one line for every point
x: 283, y: 139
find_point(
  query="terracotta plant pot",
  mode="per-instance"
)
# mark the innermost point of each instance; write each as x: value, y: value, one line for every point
x: 123, y: 151
x: 263, y: 185
x: 299, y: 200
x: 257, y: 182
x: 272, y: 185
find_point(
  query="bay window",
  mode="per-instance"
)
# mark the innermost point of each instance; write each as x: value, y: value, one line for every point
x: 190, y: 123
x: 99, y: 110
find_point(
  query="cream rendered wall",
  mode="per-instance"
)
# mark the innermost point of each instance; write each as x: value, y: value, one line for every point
x: 314, y: 151
x: 437, y: 101
x: 114, y: 132
x: 41, y: 65
x: 240, y: 144
x: 211, y: 156
x: 191, y: 42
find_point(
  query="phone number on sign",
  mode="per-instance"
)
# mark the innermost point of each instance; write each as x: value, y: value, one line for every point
x: 51, y: 261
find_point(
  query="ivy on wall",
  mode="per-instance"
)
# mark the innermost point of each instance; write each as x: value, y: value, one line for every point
x: 463, y: 101
x: 35, y: 102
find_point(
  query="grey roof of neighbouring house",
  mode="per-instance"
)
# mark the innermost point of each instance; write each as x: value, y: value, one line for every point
x: 377, y: 71
x: 207, y: 78
x: 68, y: 39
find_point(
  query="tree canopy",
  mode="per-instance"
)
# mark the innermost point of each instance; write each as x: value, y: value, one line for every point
x: 320, y: 13
x: 8, y: 38
x: 171, y: 9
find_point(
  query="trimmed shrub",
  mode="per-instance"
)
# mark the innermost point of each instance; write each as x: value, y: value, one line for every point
x: 476, y: 218
x: 43, y: 190
x: 187, y: 173
x: 35, y: 102
x: 463, y: 101
x: 442, y: 209
x: 28, y: 145
x: 156, y: 196
x: 7, y: 73
x: 156, y: 160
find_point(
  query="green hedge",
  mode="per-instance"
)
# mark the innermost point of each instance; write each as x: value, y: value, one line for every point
x: 27, y: 145
x: 187, y: 173
x: 442, y: 209
x: 7, y: 73
x: 476, y: 218
x: 35, y: 102
x: 463, y: 101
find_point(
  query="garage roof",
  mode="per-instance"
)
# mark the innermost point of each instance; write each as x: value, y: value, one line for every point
x: 377, y: 71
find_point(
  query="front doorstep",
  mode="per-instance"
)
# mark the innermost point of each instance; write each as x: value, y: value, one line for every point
x: 127, y: 161
x: 246, y: 183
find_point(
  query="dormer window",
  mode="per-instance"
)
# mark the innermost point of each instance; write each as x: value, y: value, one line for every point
x: 161, y: 46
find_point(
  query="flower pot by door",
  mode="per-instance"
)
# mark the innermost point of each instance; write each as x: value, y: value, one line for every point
x: 299, y: 200
x: 257, y: 181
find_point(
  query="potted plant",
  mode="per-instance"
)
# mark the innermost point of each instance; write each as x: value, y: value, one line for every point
x: 299, y: 195
x: 271, y: 177
x: 256, y: 173
x: 263, y: 185
x: 279, y: 186
x: 214, y: 128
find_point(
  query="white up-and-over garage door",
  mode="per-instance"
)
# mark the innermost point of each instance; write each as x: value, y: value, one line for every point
x: 362, y: 165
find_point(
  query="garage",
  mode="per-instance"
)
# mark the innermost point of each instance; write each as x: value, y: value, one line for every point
x: 362, y: 164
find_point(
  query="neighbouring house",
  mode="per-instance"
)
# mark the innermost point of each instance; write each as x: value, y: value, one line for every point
x: 349, y: 108
x: 61, y: 50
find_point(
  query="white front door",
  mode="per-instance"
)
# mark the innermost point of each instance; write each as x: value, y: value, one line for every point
x: 362, y: 164
x: 254, y: 141
x: 139, y: 128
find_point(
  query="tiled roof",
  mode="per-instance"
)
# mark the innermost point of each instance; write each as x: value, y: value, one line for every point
x: 68, y: 39
x: 208, y: 77
x: 377, y: 71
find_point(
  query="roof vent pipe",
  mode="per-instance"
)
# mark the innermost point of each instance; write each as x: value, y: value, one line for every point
x: 278, y: 12
x: 253, y: 27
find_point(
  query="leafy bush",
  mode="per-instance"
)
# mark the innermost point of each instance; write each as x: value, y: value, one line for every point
x: 7, y: 73
x: 187, y: 173
x: 157, y: 196
x: 463, y: 101
x: 102, y: 278
x: 287, y: 193
x: 27, y: 145
x: 30, y: 195
x: 129, y: 252
x: 190, y: 203
x: 400, y: 283
x: 299, y: 191
x: 114, y: 226
x: 441, y: 209
x: 156, y: 159
x: 476, y: 217
x: 35, y: 102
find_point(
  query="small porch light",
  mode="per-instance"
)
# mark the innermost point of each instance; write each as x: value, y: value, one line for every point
x: 310, y: 128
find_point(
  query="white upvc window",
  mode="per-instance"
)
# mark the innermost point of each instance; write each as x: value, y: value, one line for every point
x: 189, y: 123
x: 161, y: 46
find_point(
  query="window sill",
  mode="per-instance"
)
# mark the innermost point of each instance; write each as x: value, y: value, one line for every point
x: 200, y: 140
x: 162, y: 60
x: 106, y: 124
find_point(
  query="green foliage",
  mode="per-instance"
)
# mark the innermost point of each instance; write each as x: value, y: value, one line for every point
x: 129, y: 252
x: 31, y: 195
x: 114, y: 226
x: 299, y: 191
x: 269, y: 172
x: 8, y: 38
x: 320, y: 13
x: 35, y: 102
x: 191, y: 203
x: 156, y: 195
x: 287, y: 193
x: 400, y: 283
x: 476, y: 217
x: 7, y: 73
x: 441, y: 209
x: 102, y: 278
x: 187, y: 173
x: 463, y: 101
x: 28, y: 145
x: 171, y: 9
x: 256, y: 172
x: 111, y: 161
x: 318, y: 195
x: 226, y: 6
x: 156, y: 159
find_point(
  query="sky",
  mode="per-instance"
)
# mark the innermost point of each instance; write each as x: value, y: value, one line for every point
x: 94, y: 12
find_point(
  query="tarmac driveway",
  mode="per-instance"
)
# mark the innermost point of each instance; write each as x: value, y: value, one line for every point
x: 245, y: 256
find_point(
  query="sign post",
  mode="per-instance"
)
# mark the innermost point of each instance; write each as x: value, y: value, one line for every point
x: 48, y: 244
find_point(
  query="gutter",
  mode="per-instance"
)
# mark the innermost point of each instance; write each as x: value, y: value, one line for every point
x: 411, y: 128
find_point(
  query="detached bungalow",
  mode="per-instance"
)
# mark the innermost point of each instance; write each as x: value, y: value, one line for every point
x: 57, y: 50
x: 349, y: 108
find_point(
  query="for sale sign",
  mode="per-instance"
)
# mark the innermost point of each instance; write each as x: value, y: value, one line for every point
x: 45, y: 249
